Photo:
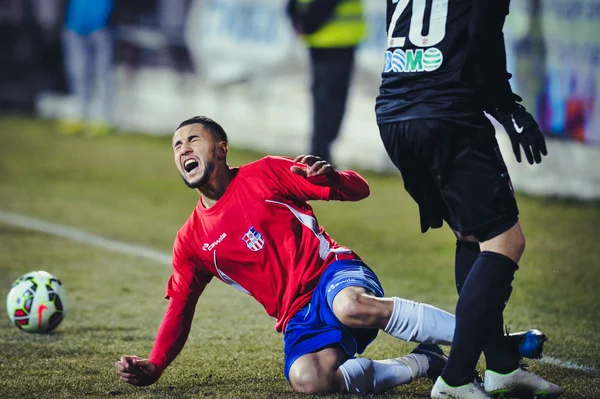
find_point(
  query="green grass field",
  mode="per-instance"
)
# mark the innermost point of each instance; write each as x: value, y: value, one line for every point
x: 126, y: 188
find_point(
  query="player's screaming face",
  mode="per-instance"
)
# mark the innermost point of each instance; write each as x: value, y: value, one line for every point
x: 197, y: 152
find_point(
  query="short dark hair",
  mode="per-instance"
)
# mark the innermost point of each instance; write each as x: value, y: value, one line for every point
x: 212, y: 126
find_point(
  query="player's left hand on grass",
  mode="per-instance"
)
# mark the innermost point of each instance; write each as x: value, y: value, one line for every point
x: 316, y: 166
x: 523, y: 131
x: 135, y: 370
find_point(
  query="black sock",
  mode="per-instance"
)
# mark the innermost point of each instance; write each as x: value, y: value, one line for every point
x: 500, y: 357
x: 481, y: 299
x: 466, y: 255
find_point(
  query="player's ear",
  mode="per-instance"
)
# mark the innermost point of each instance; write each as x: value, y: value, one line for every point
x: 222, y: 149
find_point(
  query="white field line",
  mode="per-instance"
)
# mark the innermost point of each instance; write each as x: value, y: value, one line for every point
x: 80, y: 236
x: 567, y: 364
x: 58, y: 230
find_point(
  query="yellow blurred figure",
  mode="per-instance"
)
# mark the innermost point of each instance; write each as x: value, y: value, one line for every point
x: 330, y: 24
x: 70, y: 127
x: 96, y: 129
x: 332, y: 30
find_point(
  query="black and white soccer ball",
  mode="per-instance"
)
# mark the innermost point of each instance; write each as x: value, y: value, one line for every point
x: 37, y: 302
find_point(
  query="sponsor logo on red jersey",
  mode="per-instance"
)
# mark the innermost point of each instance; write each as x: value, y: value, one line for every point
x: 208, y: 247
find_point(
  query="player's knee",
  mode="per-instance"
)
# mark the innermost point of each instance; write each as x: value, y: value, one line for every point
x: 511, y: 243
x: 519, y: 243
x: 310, y: 380
x: 515, y: 240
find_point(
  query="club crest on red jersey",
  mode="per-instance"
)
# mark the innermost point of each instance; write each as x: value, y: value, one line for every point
x: 253, y: 239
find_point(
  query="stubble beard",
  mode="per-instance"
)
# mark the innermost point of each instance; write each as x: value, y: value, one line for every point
x: 208, y: 170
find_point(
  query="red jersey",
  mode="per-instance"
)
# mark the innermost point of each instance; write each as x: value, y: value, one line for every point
x: 262, y: 237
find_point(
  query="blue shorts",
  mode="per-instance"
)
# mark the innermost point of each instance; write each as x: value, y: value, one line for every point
x: 315, y: 326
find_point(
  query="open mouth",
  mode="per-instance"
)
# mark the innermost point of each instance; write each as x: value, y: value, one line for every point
x: 190, y: 165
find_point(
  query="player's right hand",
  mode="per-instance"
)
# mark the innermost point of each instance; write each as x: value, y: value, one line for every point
x: 523, y: 131
x: 316, y: 166
x: 135, y: 370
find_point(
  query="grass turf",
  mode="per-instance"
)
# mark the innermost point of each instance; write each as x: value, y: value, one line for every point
x: 126, y: 187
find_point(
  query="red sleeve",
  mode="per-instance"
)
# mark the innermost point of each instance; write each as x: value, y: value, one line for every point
x: 189, y: 278
x: 172, y: 333
x: 346, y: 185
x: 341, y: 186
x: 184, y: 288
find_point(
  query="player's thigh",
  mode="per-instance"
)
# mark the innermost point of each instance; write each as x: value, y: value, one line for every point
x: 318, y: 372
x: 356, y: 307
x: 476, y: 186
x: 510, y: 243
x: 353, y: 293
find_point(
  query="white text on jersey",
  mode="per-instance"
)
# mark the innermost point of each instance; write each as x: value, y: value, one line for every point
x: 207, y: 247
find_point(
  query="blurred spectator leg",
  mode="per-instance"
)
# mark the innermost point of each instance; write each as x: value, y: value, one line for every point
x: 76, y: 52
x: 171, y: 17
x: 331, y: 76
x: 102, y: 82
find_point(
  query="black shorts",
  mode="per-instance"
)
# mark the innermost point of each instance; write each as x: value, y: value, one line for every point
x: 454, y: 170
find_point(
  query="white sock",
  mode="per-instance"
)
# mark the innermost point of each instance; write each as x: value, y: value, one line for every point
x: 419, y: 322
x: 376, y: 376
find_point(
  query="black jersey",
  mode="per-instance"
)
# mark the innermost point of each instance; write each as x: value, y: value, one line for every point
x: 429, y: 62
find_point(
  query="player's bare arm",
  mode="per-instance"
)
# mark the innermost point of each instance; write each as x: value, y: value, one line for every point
x: 170, y: 340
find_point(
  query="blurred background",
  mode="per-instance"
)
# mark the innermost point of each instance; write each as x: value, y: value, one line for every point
x: 148, y: 64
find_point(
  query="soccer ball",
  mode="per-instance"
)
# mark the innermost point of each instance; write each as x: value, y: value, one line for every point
x: 37, y: 302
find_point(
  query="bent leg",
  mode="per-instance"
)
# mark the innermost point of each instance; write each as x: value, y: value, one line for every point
x: 316, y: 342
x: 363, y: 375
x: 323, y: 372
x: 410, y: 321
x: 318, y: 372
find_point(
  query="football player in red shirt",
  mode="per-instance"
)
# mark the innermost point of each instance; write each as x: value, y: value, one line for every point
x: 254, y: 230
